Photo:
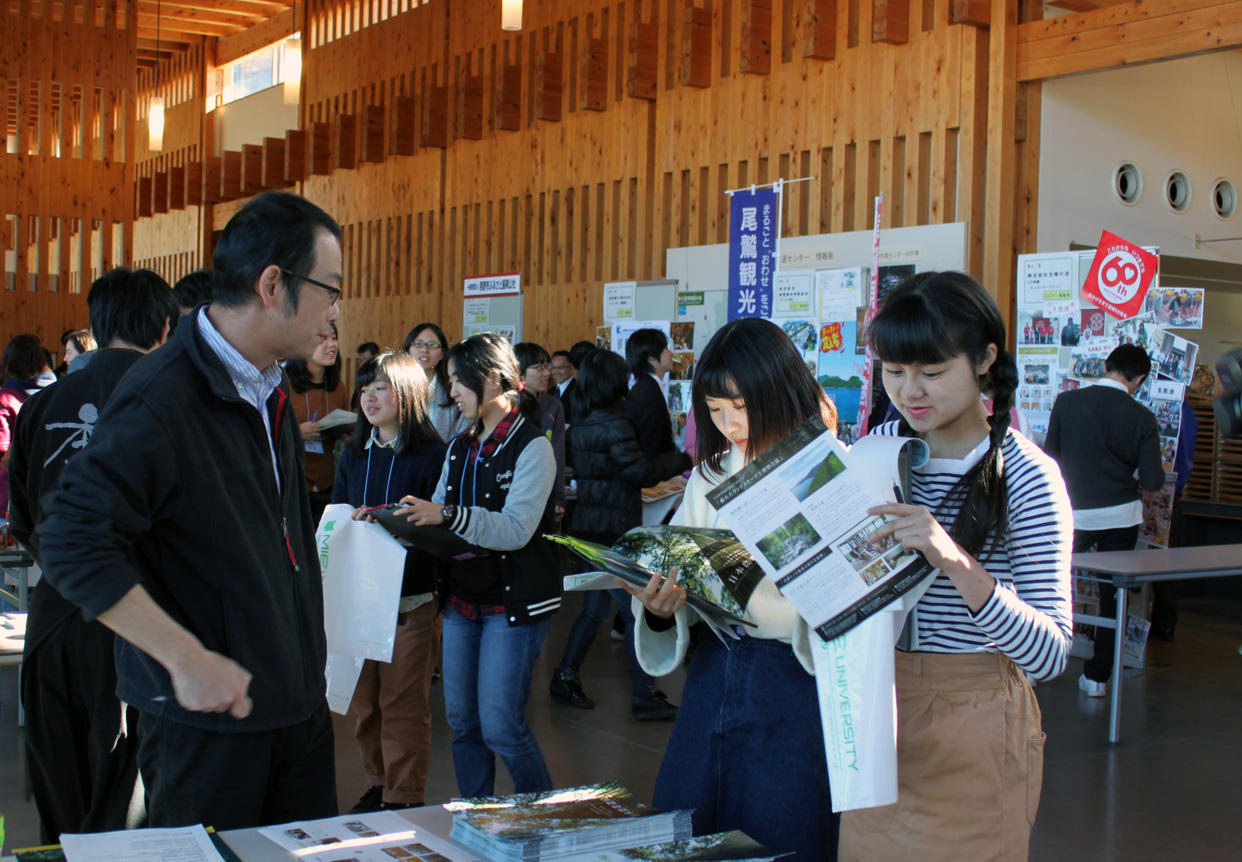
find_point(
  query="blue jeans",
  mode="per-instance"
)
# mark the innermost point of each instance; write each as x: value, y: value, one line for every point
x: 747, y: 751
x: 596, y: 605
x: 487, y: 666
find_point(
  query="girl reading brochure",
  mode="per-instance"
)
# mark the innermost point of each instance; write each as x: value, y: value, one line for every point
x: 989, y: 510
x: 747, y: 751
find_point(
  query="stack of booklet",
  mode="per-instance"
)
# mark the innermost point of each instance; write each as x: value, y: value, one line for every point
x: 576, y: 823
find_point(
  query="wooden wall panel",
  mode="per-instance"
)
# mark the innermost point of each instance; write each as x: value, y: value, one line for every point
x: 66, y: 180
x: 580, y: 149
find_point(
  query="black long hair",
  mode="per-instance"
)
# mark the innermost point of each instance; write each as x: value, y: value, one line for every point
x: 299, y: 374
x: 441, y: 366
x: 753, y: 360
x: 478, y: 356
x: 603, y: 380
x: 933, y: 317
x: 409, y: 386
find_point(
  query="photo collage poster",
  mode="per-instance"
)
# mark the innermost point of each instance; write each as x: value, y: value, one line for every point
x: 1064, y: 340
x: 821, y: 310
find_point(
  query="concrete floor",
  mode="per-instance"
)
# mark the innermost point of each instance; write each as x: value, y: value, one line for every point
x: 1168, y: 790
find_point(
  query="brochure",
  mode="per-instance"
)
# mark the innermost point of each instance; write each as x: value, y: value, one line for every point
x: 718, y: 573
x: 336, y: 419
x: 378, y: 836
x: 801, y: 510
x: 563, y: 824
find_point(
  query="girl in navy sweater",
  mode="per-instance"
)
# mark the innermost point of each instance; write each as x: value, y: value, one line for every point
x: 395, y: 452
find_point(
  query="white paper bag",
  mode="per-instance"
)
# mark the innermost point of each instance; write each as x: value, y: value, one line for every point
x: 858, y: 708
x: 362, y: 571
x: 342, y: 674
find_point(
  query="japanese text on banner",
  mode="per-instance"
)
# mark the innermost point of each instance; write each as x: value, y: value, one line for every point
x: 754, y: 226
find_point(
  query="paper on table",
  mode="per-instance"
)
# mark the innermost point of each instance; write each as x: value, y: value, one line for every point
x: 362, y: 571
x: 182, y: 844
x: 358, y: 837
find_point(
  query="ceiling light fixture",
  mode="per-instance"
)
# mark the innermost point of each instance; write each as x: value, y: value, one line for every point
x: 510, y: 14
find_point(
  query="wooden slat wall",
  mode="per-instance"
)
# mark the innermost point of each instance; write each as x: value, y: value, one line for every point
x: 610, y: 130
x: 66, y: 200
x: 580, y: 149
x: 170, y: 241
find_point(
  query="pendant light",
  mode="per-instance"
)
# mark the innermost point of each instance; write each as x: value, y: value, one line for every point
x: 155, y: 114
x: 510, y: 14
x: 291, y: 65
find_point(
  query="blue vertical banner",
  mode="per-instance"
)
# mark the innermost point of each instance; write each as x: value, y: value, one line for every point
x: 754, y: 228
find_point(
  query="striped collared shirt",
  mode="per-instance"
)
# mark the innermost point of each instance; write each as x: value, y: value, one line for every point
x: 254, y: 386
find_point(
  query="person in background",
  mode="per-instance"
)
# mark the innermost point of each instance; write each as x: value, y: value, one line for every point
x: 1102, y: 437
x: 611, y: 472
x: 185, y: 528
x: 193, y: 289
x: 81, y: 743
x: 75, y: 344
x: 533, y: 364
x: 650, y: 361
x: 495, y: 492
x: 367, y: 351
x: 990, y: 513
x: 24, y: 370
x: 564, y: 372
x: 395, y: 452
x: 747, y: 750
x: 428, y: 345
x: 318, y: 390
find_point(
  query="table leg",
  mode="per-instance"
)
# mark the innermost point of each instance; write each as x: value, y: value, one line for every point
x: 1114, y: 694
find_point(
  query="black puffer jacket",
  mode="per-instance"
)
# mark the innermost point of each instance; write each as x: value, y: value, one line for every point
x: 610, y: 470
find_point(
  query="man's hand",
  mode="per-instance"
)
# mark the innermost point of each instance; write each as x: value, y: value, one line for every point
x: 210, y: 682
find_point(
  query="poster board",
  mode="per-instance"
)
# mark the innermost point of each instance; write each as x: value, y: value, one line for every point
x: 501, y: 314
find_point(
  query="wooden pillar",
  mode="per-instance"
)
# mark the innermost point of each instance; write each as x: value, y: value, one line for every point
x: 999, y: 191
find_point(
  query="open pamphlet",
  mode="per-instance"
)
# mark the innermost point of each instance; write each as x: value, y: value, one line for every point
x: 574, y: 823
x: 801, y: 510
x: 717, y: 571
x: 377, y: 836
x: 336, y: 419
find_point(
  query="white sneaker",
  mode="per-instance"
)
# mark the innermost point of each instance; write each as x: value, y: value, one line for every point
x: 1092, y: 688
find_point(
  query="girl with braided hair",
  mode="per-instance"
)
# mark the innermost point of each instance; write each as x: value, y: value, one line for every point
x: 990, y: 512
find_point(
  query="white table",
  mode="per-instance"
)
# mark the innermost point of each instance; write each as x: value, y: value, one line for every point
x: 1125, y: 569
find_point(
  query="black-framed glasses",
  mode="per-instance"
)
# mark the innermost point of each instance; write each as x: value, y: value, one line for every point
x: 334, y: 293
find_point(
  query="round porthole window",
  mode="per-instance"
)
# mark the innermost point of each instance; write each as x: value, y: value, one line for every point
x: 1127, y: 183
x: 1224, y: 199
x: 1177, y: 191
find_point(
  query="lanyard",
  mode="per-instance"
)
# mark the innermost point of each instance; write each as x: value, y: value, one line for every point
x: 306, y: 395
x: 366, y: 483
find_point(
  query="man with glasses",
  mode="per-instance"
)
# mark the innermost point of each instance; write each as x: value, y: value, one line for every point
x: 184, y: 526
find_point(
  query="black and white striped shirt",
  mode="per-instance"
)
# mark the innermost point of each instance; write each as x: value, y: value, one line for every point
x: 1029, y: 617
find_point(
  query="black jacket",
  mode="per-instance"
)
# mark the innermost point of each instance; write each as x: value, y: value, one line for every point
x: 55, y: 424
x: 1100, y: 436
x: 647, y: 407
x: 610, y: 470
x: 526, y: 580
x: 176, y: 492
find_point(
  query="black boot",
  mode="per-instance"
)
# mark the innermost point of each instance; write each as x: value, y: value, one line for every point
x: 653, y: 706
x: 566, y: 688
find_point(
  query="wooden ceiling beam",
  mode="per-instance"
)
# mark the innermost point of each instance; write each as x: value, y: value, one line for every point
x: 172, y: 14
x: 1142, y: 31
x: 146, y: 27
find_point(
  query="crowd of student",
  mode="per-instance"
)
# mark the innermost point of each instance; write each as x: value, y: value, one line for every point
x: 186, y: 527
